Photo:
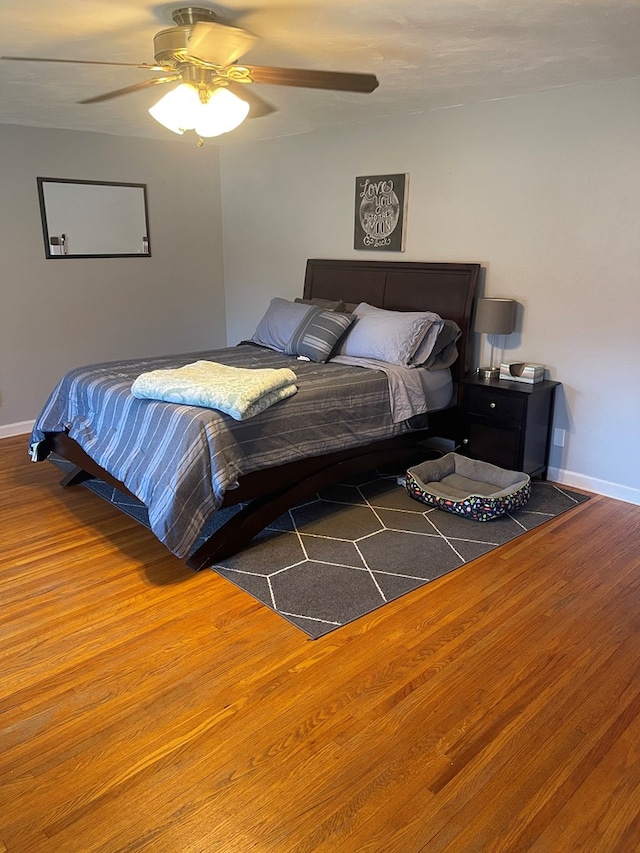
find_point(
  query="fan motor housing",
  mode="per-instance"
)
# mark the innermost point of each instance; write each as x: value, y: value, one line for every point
x: 192, y: 14
x: 170, y: 46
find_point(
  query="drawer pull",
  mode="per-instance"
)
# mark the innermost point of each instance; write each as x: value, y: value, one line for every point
x: 492, y: 405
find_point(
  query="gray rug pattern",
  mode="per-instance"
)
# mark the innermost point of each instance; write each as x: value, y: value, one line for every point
x: 359, y: 545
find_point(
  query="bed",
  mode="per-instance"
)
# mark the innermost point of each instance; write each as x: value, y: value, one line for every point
x: 245, y: 474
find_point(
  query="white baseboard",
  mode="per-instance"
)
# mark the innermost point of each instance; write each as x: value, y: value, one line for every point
x: 592, y: 484
x: 23, y: 428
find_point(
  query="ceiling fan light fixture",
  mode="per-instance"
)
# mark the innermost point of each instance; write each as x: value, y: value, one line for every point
x: 177, y: 110
x: 182, y: 109
x: 201, y: 54
x: 223, y: 112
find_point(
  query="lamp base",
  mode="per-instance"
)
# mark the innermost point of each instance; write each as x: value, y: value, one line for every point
x: 488, y: 372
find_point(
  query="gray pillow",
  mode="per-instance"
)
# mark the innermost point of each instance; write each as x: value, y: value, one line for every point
x: 329, y: 304
x: 444, y: 352
x: 391, y: 336
x: 318, y: 333
x: 279, y: 323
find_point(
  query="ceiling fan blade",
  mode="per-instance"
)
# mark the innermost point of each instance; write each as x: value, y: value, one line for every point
x: 257, y: 106
x: 219, y: 44
x: 145, y: 65
x: 144, y: 84
x: 337, y: 80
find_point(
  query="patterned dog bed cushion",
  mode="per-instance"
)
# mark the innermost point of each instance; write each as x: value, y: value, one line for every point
x: 468, y: 487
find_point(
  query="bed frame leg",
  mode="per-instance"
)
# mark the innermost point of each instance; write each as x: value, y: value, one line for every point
x: 76, y: 476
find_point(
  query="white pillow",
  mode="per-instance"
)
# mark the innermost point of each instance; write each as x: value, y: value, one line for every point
x: 391, y: 336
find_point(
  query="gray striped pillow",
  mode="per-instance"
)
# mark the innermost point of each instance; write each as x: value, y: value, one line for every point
x: 318, y: 333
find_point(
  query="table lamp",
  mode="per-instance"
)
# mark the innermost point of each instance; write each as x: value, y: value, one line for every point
x: 494, y: 316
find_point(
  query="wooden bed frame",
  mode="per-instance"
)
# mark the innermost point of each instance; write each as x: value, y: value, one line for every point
x: 448, y: 289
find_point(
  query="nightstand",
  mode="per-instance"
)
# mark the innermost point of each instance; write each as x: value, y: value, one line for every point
x: 508, y: 423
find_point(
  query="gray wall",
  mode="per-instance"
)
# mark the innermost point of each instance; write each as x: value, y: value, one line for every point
x: 58, y: 314
x: 543, y: 190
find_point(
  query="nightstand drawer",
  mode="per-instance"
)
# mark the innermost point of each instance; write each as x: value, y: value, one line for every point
x: 491, y: 404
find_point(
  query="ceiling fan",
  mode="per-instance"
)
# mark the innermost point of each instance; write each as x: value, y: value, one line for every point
x: 201, y: 53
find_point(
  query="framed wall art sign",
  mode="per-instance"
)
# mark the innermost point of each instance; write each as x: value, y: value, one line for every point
x: 380, y: 212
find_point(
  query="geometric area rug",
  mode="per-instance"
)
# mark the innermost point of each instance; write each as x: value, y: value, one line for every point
x: 360, y: 545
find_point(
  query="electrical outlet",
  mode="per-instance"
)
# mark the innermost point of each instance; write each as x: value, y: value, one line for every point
x: 558, y: 437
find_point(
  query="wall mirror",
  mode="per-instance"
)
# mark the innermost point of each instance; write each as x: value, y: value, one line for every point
x: 93, y: 219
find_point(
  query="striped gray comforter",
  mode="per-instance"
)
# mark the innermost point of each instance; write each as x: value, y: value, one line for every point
x: 180, y: 460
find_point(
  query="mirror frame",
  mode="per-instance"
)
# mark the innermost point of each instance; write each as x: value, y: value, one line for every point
x: 59, y: 255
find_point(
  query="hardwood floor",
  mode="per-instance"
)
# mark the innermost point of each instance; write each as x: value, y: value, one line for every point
x: 146, y: 707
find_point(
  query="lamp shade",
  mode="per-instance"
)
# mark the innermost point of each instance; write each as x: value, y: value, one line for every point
x: 495, y: 316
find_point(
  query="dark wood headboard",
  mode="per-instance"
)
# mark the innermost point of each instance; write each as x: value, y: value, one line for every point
x: 447, y: 289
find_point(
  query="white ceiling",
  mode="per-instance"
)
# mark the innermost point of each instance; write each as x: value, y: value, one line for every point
x: 427, y: 54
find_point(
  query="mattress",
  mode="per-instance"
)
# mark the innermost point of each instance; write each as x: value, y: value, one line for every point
x: 413, y: 391
x: 438, y: 388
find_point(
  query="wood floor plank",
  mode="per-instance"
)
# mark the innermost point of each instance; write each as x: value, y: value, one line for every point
x: 611, y: 789
x: 145, y: 707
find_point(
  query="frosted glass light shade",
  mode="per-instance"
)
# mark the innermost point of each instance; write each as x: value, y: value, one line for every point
x: 177, y: 109
x: 223, y: 113
x: 181, y: 109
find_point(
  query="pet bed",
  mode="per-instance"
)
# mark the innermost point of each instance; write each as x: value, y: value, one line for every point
x: 468, y: 487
